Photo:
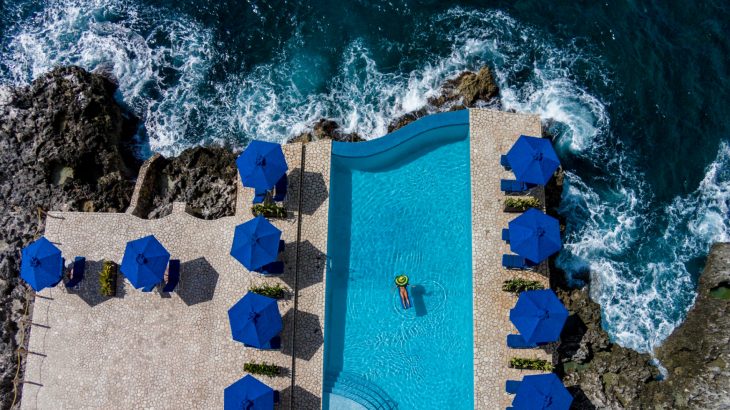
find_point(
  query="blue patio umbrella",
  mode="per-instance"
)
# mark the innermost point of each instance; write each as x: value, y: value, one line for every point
x: 261, y: 165
x: 145, y: 261
x: 254, y: 319
x: 542, y: 392
x: 539, y: 316
x: 41, y: 264
x: 534, y: 235
x: 248, y: 393
x: 255, y: 243
x: 533, y: 160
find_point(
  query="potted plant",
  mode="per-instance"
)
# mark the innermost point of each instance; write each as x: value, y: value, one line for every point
x: 530, y: 364
x: 108, y: 279
x: 521, y: 204
x: 517, y: 285
x: 269, y: 210
x: 273, y: 291
x: 264, y: 369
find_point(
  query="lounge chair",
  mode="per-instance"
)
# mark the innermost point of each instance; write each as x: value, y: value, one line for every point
x: 79, y: 267
x: 512, y: 386
x: 282, y: 245
x: 277, y: 397
x: 518, y: 342
x: 259, y: 197
x: 273, y: 268
x: 513, y: 186
x: 505, y: 234
x: 280, y: 188
x: 173, y: 275
x: 503, y: 162
x: 516, y: 262
x: 273, y: 344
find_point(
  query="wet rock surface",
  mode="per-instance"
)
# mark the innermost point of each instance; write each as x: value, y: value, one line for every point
x: 64, y: 145
x: 598, y: 373
x: 202, y: 177
x: 697, y: 354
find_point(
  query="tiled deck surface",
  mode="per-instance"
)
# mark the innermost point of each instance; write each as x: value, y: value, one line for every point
x: 492, y: 133
x: 143, y: 350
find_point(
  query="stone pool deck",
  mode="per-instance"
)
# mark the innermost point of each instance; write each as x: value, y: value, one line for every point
x: 152, y: 351
x: 492, y: 133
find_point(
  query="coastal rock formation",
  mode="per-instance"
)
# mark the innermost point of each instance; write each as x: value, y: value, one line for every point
x: 467, y: 90
x: 64, y: 144
x: 599, y: 374
x: 202, y: 177
x: 326, y: 129
x: 697, y: 354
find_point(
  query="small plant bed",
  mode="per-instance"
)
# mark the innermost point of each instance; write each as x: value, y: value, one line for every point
x: 264, y: 369
x: 273, y: 291
x: 269, y: 210
x: 517, y: 285
x: 530, y: 364
x: 521, y: 204
x: 108, y: 279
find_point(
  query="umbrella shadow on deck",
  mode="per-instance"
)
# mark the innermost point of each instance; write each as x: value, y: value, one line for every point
x: 311, y: 266
x: 309, y: 336
x: 303, y: 399
x: 198, y: 280
x: 89, y: 289
x: 314, y: 188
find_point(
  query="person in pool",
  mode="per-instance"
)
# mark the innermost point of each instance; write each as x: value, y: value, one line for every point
x: 402, y: 283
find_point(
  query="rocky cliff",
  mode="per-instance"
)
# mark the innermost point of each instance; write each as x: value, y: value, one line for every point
x: 697, y: 354
x: 64, y: 144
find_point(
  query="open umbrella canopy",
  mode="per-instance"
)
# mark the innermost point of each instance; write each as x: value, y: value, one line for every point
x: 254, y: 319
x: 255, y: 243
x: 261, y: 165
x: 539, y: 316
x: 534, y: 235
x: 533, y: 160
x: 41, y: 264
x: 542, y: 392
x: 248, y: 393
x: 145, y: 261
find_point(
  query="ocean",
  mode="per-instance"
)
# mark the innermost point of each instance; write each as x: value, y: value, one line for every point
x: 635, y: 93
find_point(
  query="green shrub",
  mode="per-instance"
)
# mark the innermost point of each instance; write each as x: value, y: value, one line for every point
x: 269, y: 210
x: 522, y: 203
x: 517, y: 285
x: 272, y: 291
x: 530, y: 364
x: 264, y: 369
x: 108, y: 279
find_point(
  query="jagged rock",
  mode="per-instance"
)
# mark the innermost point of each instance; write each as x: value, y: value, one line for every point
x: 467, y: 90
x: 599, y: 373
x: 204, y: 178
x: 326, y: 129
x: 697, y: 354
x: 64, y: 144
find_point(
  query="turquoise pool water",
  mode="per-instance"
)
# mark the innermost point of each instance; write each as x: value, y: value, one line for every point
x: 398, y: 209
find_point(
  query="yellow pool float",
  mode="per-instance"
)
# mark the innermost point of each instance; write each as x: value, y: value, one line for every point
x: 401, y: 280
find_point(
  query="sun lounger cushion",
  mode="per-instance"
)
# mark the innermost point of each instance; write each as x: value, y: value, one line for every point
x: 509, y: 185
x: 516, y: 262
x: 512, y: 386
x: 282, y: 245
x: 273, y: 268
x: 79, y: 267
x: 173, y: 275
x: 517, y: 342
x: 505, y: 234
x: 503, y: 161
x: 280, y: 188
x: 273, y: 344
x: 259, y: 197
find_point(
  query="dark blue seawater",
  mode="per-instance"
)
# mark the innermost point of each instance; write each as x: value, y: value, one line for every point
x: 637, y: 94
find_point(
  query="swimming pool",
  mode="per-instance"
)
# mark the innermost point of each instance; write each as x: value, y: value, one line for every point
x: 401, y: 205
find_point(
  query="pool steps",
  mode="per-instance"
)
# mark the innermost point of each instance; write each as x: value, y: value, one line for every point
x: 359, y: 390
